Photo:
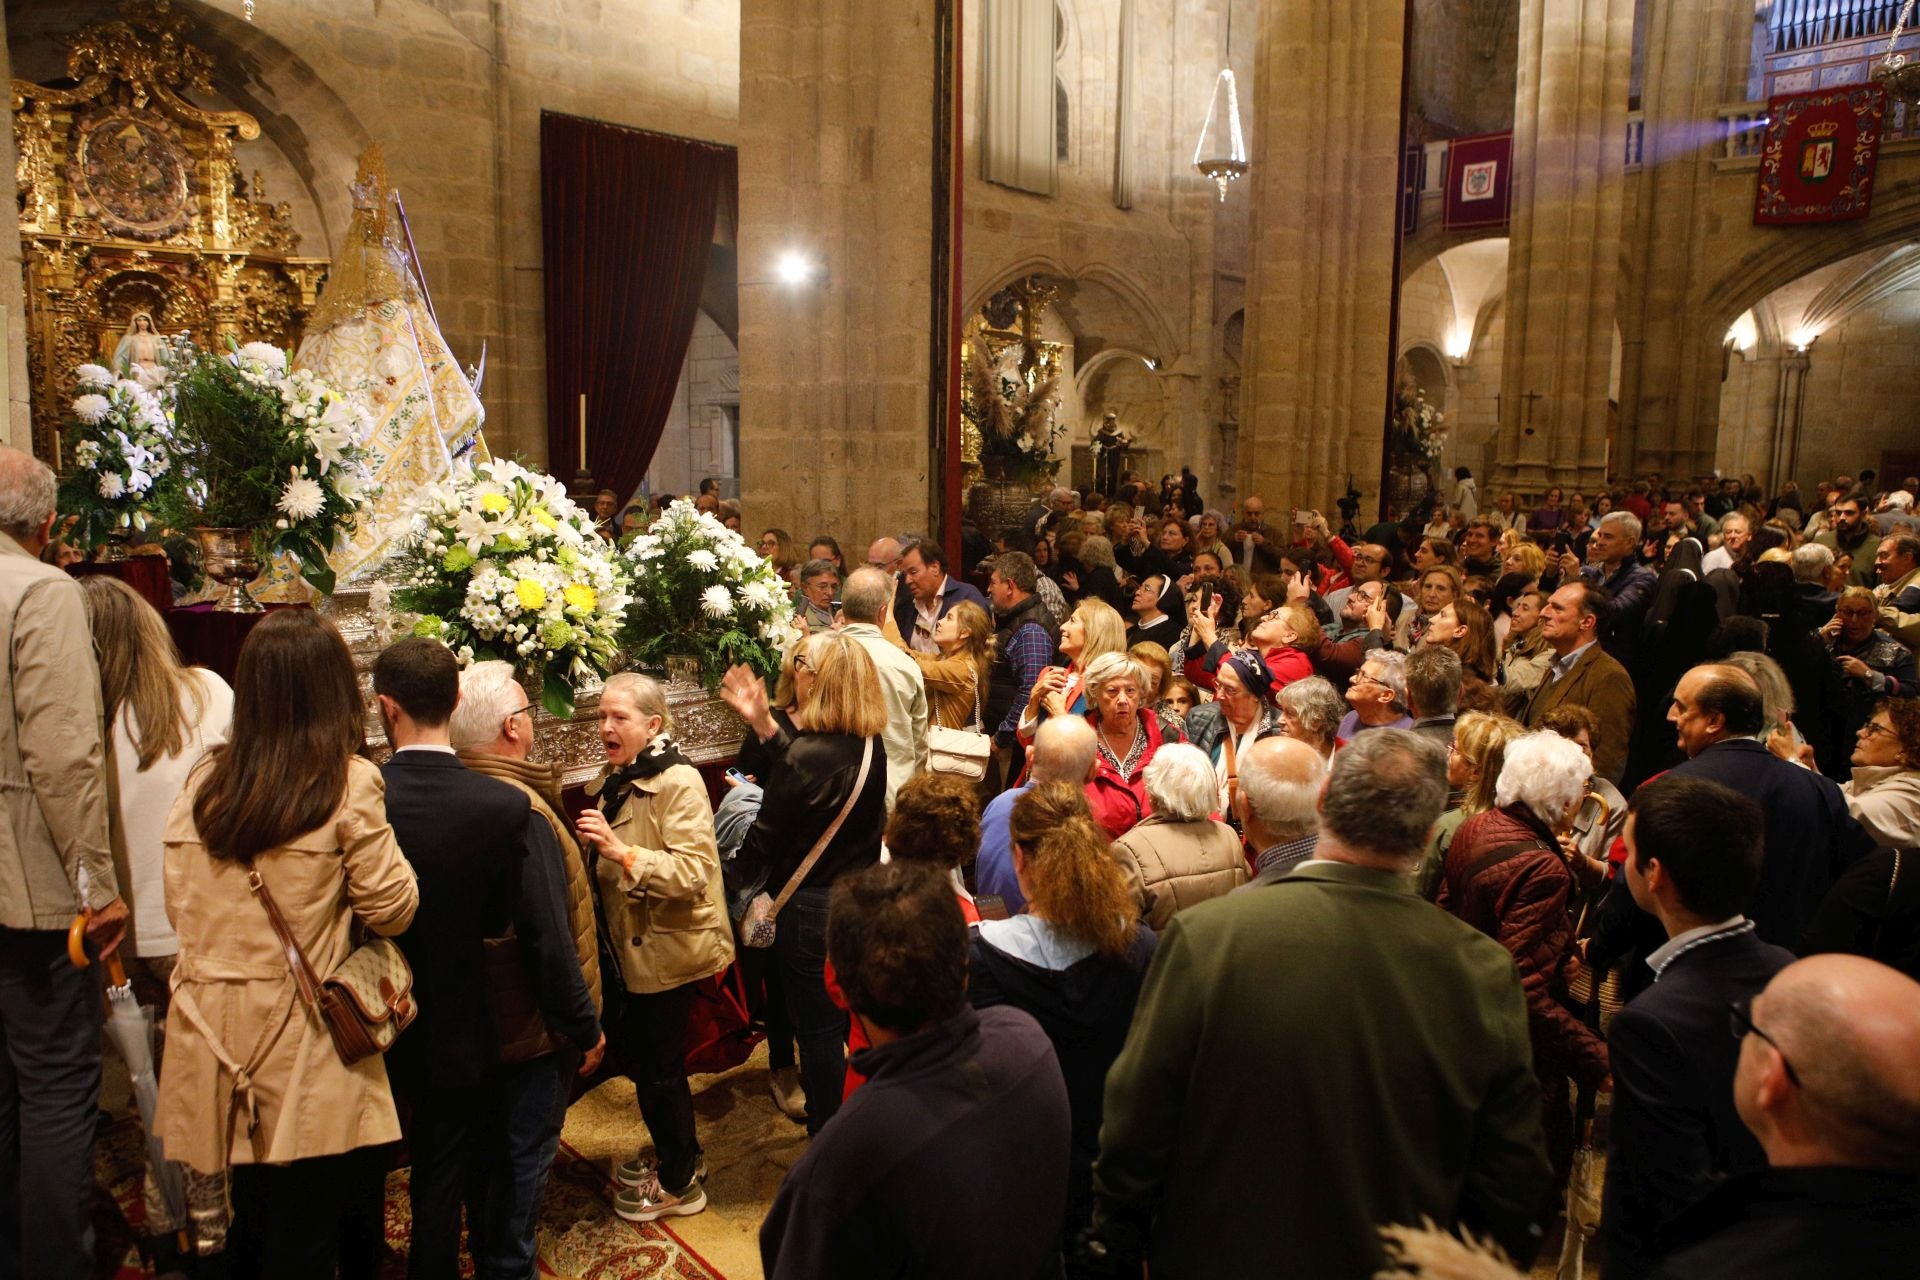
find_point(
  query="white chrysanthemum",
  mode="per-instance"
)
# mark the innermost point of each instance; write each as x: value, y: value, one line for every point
x: 716, y: 601
x: 302, y: 499
x: 86, y: 453
x: 705, y: 561
x: 93, y: 375
x: 91, y: 409
x: 265, y: 353
x: 759, y: 595
x: 112, y: 486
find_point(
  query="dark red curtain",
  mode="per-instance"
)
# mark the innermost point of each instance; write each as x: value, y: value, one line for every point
x: 628, y: 222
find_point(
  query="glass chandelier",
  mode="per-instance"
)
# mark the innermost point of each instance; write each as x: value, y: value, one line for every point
x: 1901, y: 77
x: 1222, y: 152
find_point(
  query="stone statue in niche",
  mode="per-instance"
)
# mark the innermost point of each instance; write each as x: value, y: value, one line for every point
x: 1110, y: 443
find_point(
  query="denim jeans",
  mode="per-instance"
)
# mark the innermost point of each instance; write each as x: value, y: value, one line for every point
x: 526, y: 1106
x: 49, y: 1098
x: 651, y: 1046
x: 820, y: 1025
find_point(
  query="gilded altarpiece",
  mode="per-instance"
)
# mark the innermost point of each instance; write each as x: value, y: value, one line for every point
x: 131, y: 201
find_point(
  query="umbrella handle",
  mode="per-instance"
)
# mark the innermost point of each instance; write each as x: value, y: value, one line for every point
x: 116, y: 971
x: 77, y: 939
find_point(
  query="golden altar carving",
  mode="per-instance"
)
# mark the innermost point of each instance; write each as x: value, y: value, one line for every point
x: 131, y: 200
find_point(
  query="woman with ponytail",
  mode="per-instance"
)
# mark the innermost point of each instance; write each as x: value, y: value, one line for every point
x: 1074, y: 961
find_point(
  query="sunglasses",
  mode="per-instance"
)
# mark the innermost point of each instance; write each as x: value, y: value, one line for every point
x: 1740, y: 1023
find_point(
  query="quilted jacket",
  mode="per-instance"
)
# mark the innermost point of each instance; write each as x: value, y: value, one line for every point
x: 1503, y: 876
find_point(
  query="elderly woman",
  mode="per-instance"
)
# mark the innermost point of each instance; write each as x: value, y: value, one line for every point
x: 1873, y: 665
x: 1240, y: 714
x: 1210, y: 528
x: 665, y: 908
x: 956, y: 676
x: 826, y: 786
x: 1602, y: 816
x: 1090, y: 633
x: 1505, y: 876
x: 1099, y: 573
x: 1884, y: 792
x: 1127, y: 734
x: 1178, y: 854
x: 1286, y: 637
x: 1873, y: 909
x: 1311, y: 710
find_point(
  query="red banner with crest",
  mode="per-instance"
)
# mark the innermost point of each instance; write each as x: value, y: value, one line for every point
x: 1479, y: 182
x: 1820, y: 154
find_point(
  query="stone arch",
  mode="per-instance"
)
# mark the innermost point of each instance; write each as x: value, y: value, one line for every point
x: 1151, y: 333
x: 300, y: 115
x: 1428, y: 367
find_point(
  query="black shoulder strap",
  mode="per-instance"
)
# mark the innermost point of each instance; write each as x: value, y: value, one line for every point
x: 1494, y: 857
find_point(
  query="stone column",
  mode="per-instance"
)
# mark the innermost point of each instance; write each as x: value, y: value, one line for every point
x: 1696, y: 55
x: 1569, y: 136
x: 1325, y: 181
x: 836, y: 164
x: 1788, y: 406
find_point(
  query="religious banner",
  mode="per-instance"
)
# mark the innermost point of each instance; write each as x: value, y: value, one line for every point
x: 1820, y: 153
x: 1479, y: 181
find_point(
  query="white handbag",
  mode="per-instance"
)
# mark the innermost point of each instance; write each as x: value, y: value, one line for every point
x: 961, y: 752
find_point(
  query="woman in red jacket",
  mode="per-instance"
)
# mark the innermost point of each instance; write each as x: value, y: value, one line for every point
x: 1127, y: 734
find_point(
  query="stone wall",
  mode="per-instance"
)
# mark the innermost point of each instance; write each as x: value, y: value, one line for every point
x: 1464, y: 55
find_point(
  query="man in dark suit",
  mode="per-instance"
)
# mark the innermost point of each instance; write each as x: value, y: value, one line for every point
x: 1810, y: 837
x: 1693, y: 859
x: 1826, y: 1083
x: 1574, y: 619
x: 1227, y: 1150
x: 467, y: 836
x: 925, y: 593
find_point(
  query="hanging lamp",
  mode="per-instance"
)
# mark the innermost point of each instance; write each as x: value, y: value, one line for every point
x: 1222, y: 152
x: 1900, y: 76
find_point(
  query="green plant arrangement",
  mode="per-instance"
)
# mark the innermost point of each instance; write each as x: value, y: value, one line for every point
x: 502, y: 565
x: 118, y: 442
x: 271, y: 451
x: 700, y: 592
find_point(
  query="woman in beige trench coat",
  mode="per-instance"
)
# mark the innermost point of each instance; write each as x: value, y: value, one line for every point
x: 664, y: 912
x: 252, y: 1079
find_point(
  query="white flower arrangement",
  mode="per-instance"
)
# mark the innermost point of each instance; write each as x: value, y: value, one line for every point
x: 271, y: 450
x: 501, y: 564
x: 700, y: 591
x: 118, y: 446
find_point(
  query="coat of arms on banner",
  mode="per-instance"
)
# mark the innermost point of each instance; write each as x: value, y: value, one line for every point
x: 1477, y: 180
x: 1820, y: 154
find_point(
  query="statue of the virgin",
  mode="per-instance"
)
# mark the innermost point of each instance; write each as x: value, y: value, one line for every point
x: 139, y: 345
x: 373, y: 335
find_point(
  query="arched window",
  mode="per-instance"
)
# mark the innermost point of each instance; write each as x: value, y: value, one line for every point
x: 1061, y: 132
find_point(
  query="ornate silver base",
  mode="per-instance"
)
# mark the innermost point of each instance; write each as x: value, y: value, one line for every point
x: 706, y: 728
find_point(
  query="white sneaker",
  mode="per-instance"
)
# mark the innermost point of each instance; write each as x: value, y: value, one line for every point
x: 643, y: 1168
x: 784, y: 1084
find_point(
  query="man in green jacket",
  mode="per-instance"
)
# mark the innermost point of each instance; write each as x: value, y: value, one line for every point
x: 1322, y: 1056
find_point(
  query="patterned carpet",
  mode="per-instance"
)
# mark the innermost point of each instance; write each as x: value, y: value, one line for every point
x: 580, y: 1237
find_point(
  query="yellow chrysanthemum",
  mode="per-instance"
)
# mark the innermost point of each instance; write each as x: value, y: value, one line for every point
x: 581, y: 597
x: 531, y: 593
x: 543, y: 517
x: 495, y: 502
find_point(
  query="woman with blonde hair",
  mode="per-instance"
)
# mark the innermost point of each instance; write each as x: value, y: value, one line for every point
x: 658, y: 874
x: 956, y: 676
x: 1092, y: 631
x: 1075, y: 960
x: 162, y: 717
x: 1474, y: 758
x: 826, y: 785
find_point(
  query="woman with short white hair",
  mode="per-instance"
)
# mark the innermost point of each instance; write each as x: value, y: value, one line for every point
x: 1128, y: 736
x: 1505, y: 875
x: 1179, y: 855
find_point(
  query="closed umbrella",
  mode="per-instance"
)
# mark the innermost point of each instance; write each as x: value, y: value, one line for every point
x: 1583, y: 1194
x: 130, y: 1027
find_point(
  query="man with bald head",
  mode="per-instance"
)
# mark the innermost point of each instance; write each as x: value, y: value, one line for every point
x: 1720, y: 720
x: 1827, y: 1082
x: 1278, y: 804
x: 1064, y: 750
x: 884, y: 555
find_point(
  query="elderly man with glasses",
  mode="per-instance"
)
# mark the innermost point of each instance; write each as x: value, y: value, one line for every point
x: 1378, y: 695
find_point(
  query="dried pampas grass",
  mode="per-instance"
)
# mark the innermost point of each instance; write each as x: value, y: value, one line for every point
x: 1428, y: 1251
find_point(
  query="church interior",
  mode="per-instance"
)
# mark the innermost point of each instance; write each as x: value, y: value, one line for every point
x: 780, y: 243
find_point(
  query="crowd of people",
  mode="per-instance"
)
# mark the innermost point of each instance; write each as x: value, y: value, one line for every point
x: 1159, y: 886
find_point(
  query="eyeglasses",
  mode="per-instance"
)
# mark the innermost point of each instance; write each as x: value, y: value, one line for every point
x: 1873, y: 729
x: 521, y: 711
x: 1740, y: 1022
